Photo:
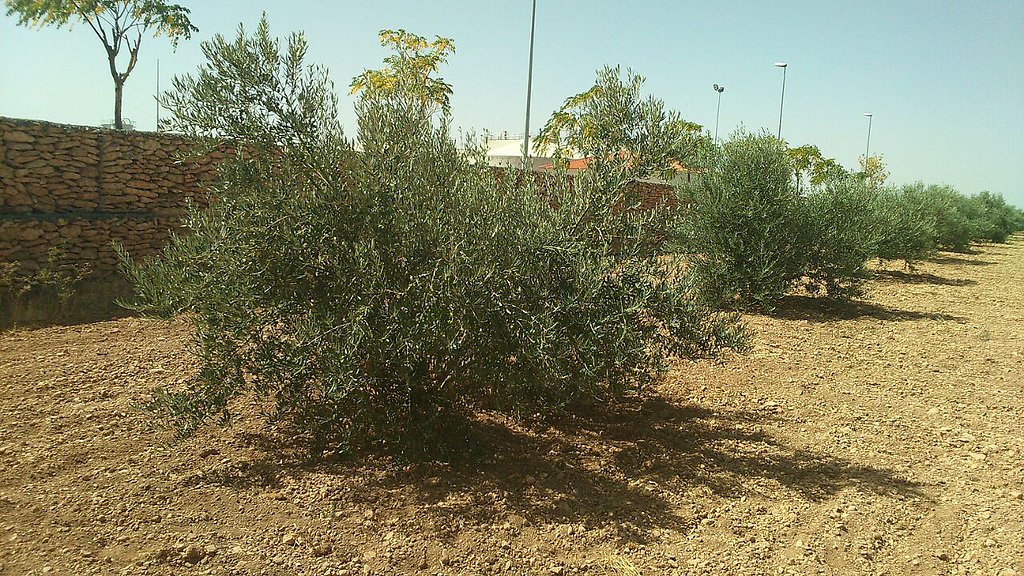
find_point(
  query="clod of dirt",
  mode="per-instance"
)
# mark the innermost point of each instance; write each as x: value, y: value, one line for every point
x: 193, y: 554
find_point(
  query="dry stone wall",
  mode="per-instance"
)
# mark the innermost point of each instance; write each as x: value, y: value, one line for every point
x: 79, y: 189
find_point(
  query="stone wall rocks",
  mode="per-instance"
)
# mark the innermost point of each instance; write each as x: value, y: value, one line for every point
x: 80, y: 188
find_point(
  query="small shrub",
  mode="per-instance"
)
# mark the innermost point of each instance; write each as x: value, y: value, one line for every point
x: 10, y: 287
x: 840, y: 237
x: 903, y: 227
x: 43, y: 294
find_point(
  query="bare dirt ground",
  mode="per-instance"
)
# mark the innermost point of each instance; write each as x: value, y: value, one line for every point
x: 881, y: 438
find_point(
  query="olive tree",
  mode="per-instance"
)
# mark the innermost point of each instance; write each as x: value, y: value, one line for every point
x: 375, y: 298
x: 746, y: 223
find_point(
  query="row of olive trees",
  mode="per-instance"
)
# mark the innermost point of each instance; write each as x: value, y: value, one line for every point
x: 948, y: 219
x: 762, y: 219
x: 377, y: 297
x: 754, y: 235
x: 749, y: 235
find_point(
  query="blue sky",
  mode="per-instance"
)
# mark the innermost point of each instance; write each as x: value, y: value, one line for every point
x: 944, y: 79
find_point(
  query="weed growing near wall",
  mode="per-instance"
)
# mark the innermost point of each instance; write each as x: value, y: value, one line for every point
x: 43, y: 294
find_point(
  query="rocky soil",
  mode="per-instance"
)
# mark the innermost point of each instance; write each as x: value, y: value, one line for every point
x: 884, y: 437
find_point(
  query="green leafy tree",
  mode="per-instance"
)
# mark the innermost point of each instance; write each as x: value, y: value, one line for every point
x: 873, y: 170
x: 611, y: 123
x: 119, y: 24
x: 410, y: 72
x: 802, y: 158
x: 810, y: 164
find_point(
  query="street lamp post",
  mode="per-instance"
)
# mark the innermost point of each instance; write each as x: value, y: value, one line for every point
x: 782, y: 102
x: 718, y: 89
x: 529, y: 89
x: 867, y: 150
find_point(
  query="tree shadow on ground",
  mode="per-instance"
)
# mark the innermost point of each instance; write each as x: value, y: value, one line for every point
x: 958, y: 261
x: 277, y: 454
x: 921, y: 278
x: 632, y: 469
x: 811, y: 309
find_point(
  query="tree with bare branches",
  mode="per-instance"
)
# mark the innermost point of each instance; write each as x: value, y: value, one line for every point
x: 117, y: 23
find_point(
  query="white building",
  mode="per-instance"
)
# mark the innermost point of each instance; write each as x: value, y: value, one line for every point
x: 506, y: 151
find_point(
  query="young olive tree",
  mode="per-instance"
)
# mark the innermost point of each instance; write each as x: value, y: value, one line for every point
x: 378, y: 297
x: 904, y: 226
x: 841, y: 232
x: 997, y: 219
x: 117, y: 23
x: 746, y: 224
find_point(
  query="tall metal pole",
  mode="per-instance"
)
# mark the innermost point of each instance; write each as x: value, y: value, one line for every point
x: 782, y: 102
x: 718, y: 113
x: 529, y: 90
x: 867, y: 150
x: 157, y: 94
